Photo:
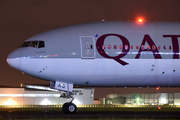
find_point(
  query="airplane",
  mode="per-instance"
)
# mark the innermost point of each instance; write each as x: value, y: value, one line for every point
x: 105, y: 53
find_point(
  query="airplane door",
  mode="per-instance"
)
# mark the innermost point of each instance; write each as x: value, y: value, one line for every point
x: 87, y: 47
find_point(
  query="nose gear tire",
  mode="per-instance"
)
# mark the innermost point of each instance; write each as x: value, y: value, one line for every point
x: 69, y: 108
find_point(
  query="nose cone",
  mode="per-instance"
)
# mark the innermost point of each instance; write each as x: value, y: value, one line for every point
x: 14, y: 60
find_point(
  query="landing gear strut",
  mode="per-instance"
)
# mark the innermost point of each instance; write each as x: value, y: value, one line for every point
x: 69, y: 107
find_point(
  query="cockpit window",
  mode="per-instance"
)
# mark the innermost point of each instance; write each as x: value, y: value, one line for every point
x: 41, y: 44
x: 34, y: 44
x: 26, y: 44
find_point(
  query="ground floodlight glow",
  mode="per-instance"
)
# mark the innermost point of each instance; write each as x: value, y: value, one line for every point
x: 77, y: 102
x: 45, y: 102
x: 163, y: 101
x: 9, y: 102
x: 137, y: 100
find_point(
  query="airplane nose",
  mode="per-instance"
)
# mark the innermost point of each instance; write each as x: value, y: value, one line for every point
x: 14, y: 60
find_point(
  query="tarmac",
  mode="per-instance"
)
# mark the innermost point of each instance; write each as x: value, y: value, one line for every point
x: 10, y: 115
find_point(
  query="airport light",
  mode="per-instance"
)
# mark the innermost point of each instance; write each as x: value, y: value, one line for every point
x: 157, y: 88
x: 137, y: 100
x: 163, y: 101
x: 10, y: 102
x: 140, y: 20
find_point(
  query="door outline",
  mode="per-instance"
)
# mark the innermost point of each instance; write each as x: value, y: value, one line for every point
x: 81, y: 45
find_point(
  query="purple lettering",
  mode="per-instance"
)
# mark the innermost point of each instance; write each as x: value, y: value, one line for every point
x: 175, y: 45
x: 100, y: 43
x: 152, y: 45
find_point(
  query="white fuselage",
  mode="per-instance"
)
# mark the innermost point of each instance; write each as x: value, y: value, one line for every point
x: 104, y: 54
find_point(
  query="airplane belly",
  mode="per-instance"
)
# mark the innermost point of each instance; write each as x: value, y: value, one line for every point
x: 105, y: 72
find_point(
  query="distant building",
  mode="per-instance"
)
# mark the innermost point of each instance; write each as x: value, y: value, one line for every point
x: 137, y: 95
x: 144, y: 98
x: 22, y: 96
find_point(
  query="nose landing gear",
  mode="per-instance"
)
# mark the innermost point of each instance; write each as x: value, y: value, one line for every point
x: 68, y: 107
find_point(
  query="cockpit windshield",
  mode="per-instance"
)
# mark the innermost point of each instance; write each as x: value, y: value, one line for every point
x: 26, y: 44
x: 41, y: 44
x: 35, y: 44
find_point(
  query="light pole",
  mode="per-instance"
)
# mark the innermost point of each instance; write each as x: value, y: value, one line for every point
x: 157, y: 88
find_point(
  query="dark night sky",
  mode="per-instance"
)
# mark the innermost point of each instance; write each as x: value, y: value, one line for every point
x: 21, y: 19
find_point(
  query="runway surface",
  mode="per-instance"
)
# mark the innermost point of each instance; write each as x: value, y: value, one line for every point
x: 117, y: 114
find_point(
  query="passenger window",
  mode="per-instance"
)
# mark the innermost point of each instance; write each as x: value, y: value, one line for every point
x: 131, y: 46
x: 159, y: 47
x: 169, y: 47
x: 120, y: 47
x: 115, y: 47
x: 109, y: 46
x: 126, y: 47
x: 34, y: 44
x: 153, y: 47
x: 142, y: 47
x: 103, y: 47
x: 148, y: 47
x: 41, y: 44
x: 26, y: 44
x: 137, y: 47
x: 164, y: 47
